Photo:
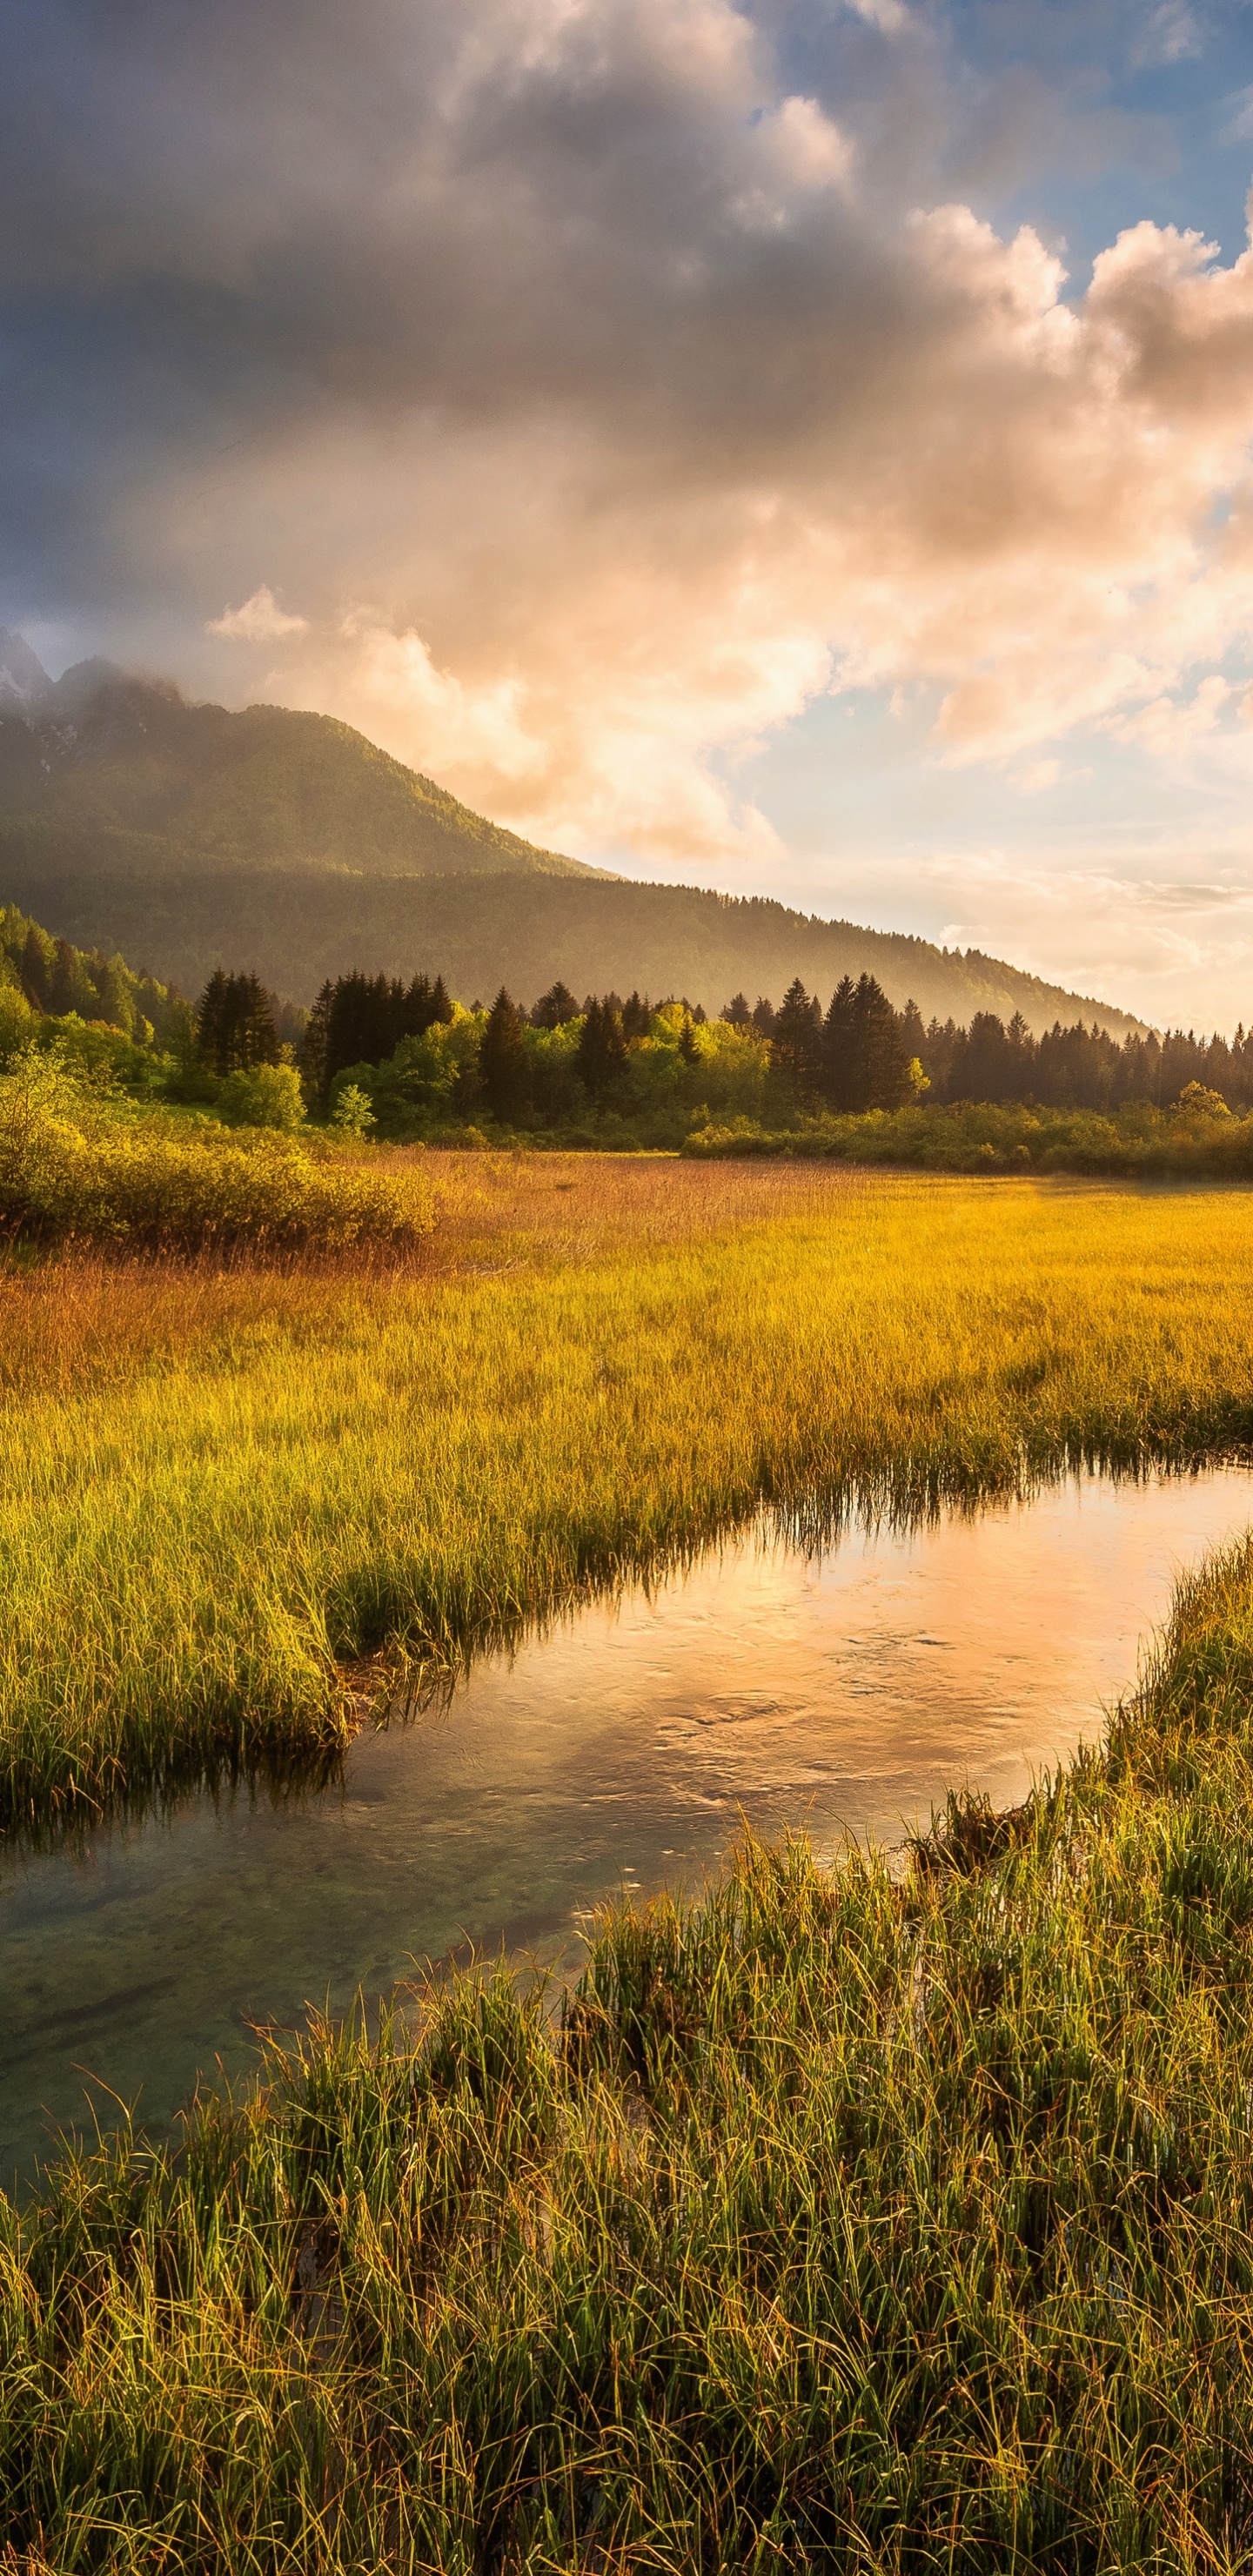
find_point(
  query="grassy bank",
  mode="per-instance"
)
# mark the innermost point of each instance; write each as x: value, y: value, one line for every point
x: 217, y: 1487
x: 850, y: 2222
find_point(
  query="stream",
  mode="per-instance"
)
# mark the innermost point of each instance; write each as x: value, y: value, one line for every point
x: 840, y: 1691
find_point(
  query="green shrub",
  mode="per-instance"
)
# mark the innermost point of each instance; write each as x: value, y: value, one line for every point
x: 70, y: 1167
x: 268, y: 1096
x: 1193, y: 1137
x: 352, y: 1113
x: 17, y: 1020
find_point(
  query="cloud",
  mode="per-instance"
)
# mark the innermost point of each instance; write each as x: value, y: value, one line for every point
x: 889, y: 16
x: 259, y: 621
x: 1237, y: 124
x: 1169, y: 33
x: 1170, y: 730
x: 1118, y: 925
x: 1038, y: 777
x: 606, y: 393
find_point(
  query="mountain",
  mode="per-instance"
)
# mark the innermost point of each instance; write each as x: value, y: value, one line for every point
x: 190, y: 836
x: 97, y: 760
x: 24, y: 683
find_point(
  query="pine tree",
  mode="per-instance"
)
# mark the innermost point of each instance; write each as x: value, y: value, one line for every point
x: 601, y: 1052
x: 738, y: 1012
x: 65, y: 983
x: 114, y: 992
x: 796, y: 1045
x: 211, y: 1029
x: 34, y: 969
x: 253, y: 1039
x: 881, y: 1048
x: 504, y: 1062
x: 235, y: 1024
x: 913, y: 1034
x: 841, y: 1073
x: 555, y: 1007
x: 637, y: 1016
x: 311, y: 1055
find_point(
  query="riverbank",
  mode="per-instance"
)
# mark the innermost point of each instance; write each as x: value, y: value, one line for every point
x: 220, y: 1486
x: 879, y: 2219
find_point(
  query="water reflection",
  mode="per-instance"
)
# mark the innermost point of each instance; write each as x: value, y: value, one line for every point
x: 842, y: 1690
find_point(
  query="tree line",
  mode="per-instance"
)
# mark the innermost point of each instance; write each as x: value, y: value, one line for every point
x: 60, y: 981
x: 1080, y: 1067
x: 856, y: 1054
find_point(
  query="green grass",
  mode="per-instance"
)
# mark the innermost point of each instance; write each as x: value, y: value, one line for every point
x: 853, y: 2221
x: 215, y: 1492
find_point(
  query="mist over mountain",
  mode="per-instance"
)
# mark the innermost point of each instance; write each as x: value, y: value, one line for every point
x: 191, y: 835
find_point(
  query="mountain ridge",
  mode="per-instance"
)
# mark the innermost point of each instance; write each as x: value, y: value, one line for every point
x: 283, y: 840
x: 101, y: 749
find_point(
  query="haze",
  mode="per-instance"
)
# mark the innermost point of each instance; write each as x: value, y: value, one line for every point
x: 802, y: 448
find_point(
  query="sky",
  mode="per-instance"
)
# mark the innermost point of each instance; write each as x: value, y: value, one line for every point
x: 801, y: 447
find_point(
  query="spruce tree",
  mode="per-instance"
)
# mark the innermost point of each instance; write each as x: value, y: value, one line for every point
x: 601, y: 1051
x: 796, y: 1045
x: 841, y: 1074
x: 211, y: 1023
x: 504, y: 1062
x: 311, y: 1054
x: 34, y: 969
x: 65, y: 991
x: 253, y: 1036
x: 419, y: 1013
x: 882, y: 1060
x: 555, y: 1007
x: 913, y: 1034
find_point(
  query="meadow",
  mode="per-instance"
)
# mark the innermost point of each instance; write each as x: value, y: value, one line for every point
x: 238, y: 1497
x: 880, y: 2219
x: 897, y: 2217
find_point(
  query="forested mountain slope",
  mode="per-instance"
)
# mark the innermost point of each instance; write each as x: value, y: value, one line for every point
x: 191, y: 837
x: 127, y: 773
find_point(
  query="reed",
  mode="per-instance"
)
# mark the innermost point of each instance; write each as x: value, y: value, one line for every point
x: 218, y: 1487
x: 886, y: 2218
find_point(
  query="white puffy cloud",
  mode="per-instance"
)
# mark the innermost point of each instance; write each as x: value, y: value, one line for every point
x: 1006, y: 497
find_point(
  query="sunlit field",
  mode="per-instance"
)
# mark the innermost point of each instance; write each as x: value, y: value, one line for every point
x: 224, y: 1485
x: 886, y: 2219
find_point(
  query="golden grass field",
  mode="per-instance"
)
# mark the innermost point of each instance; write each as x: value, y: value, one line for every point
x: 223, y: 1484
x: 889, y: 2221
x: 861, y: 2222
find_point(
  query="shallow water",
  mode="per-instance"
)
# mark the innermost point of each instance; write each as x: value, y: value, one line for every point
x: 841, y: 1692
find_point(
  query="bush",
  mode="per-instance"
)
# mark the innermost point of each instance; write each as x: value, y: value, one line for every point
x: 268, y: 1096
x: 352, y: 1113
x: 17, y: 1020
x: 69, y: 1168
x: 971, y: 1136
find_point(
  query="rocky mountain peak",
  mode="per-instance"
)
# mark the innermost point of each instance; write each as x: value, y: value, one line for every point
x: 25, y: 688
